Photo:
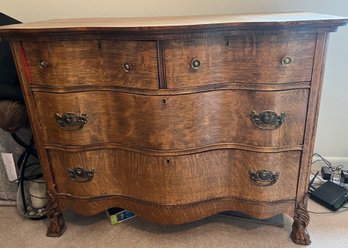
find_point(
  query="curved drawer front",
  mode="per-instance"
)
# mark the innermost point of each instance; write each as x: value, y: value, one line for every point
x: 92, y: 62
x: 240, y: 59
x: 178, y: 180
x: 171, y: 122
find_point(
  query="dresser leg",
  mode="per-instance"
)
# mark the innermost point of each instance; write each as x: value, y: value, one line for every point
x: 299, y: 234
x: 57, y: 225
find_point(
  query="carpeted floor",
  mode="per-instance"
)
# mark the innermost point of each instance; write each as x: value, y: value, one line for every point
x: 327, y: 230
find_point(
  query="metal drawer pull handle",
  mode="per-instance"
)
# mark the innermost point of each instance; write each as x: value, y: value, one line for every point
x: 127, y: 67
x: 71, y: 121
x: 263, y: 177
x: 80, y: 174
x: 195, y: 64
x: 43, y: 64
x: 267, y: 120
x: 286, y: 60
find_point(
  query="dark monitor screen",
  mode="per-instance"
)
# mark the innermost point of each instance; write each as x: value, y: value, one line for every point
x: 9, y: 83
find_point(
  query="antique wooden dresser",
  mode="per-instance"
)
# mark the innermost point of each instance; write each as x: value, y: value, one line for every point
x: 175, y: 118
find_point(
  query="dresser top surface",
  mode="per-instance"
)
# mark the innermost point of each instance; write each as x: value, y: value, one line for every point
x: 290, y: 19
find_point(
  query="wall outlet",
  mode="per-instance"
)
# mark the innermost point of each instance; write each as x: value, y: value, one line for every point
x: 10, y: 166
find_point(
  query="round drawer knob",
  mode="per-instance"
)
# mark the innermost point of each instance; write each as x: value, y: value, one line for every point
x: 195, y: 64
x: 286, y: 60
x: 43, y: 64
x: 127, y: 67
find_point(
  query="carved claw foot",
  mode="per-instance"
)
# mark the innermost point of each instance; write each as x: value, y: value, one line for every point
x: 299, y: 234
x: 57, y: 224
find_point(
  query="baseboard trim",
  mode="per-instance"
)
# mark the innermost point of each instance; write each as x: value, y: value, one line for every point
x: 335, y: 161
x: 7, y: 203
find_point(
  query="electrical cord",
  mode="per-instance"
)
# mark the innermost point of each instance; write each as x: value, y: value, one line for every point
x: 327, y: 162
x: 336, y: 170
x: 322, y: 181
x: 329, y: 212
x: 318, y: 177
x: 33, y: 176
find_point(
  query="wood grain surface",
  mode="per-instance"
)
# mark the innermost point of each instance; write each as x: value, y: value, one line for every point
x: 172, y: 23
x: 172, y: 143
x: 93, y: 62
x: 174, y: 122
x: 174, y: 214
x: 180, y: 179
x: 245, y: 59
x: 313, y: 113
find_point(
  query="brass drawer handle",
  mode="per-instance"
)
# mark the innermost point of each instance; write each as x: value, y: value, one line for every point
x: 127, y: 67
x: 43, y: 64
x: 80, y: 174
x: 195, y: 64
x: 71, y: 121
x: 267, y: 120
x: 263, y: 177
x: 286, y: 60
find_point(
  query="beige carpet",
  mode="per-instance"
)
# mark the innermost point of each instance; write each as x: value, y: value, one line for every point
x: 327, y: 230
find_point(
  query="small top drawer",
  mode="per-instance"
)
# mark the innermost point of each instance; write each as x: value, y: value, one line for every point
x: 93, y: 62
x: 239, y: 59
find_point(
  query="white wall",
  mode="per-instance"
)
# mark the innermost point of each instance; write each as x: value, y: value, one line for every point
x: 332, y: 135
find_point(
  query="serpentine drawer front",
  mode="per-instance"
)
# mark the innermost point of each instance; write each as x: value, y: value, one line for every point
x: 175, y: 119
x: 138, y: 121
x: 172, y: 180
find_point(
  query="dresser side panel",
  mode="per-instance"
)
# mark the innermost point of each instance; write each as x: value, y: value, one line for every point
x: 34, y: 116
x: 312, y: 113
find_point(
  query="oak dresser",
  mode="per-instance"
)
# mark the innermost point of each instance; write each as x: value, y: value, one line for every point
x: 175, y: 118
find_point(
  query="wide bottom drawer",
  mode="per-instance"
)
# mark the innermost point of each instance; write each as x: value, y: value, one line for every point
x: 178, y: 180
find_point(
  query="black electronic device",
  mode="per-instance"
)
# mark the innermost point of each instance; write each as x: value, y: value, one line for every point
x: 326, y: 172
x: 330, y: 195
x: 344, y: 176
x: 9, y: 82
